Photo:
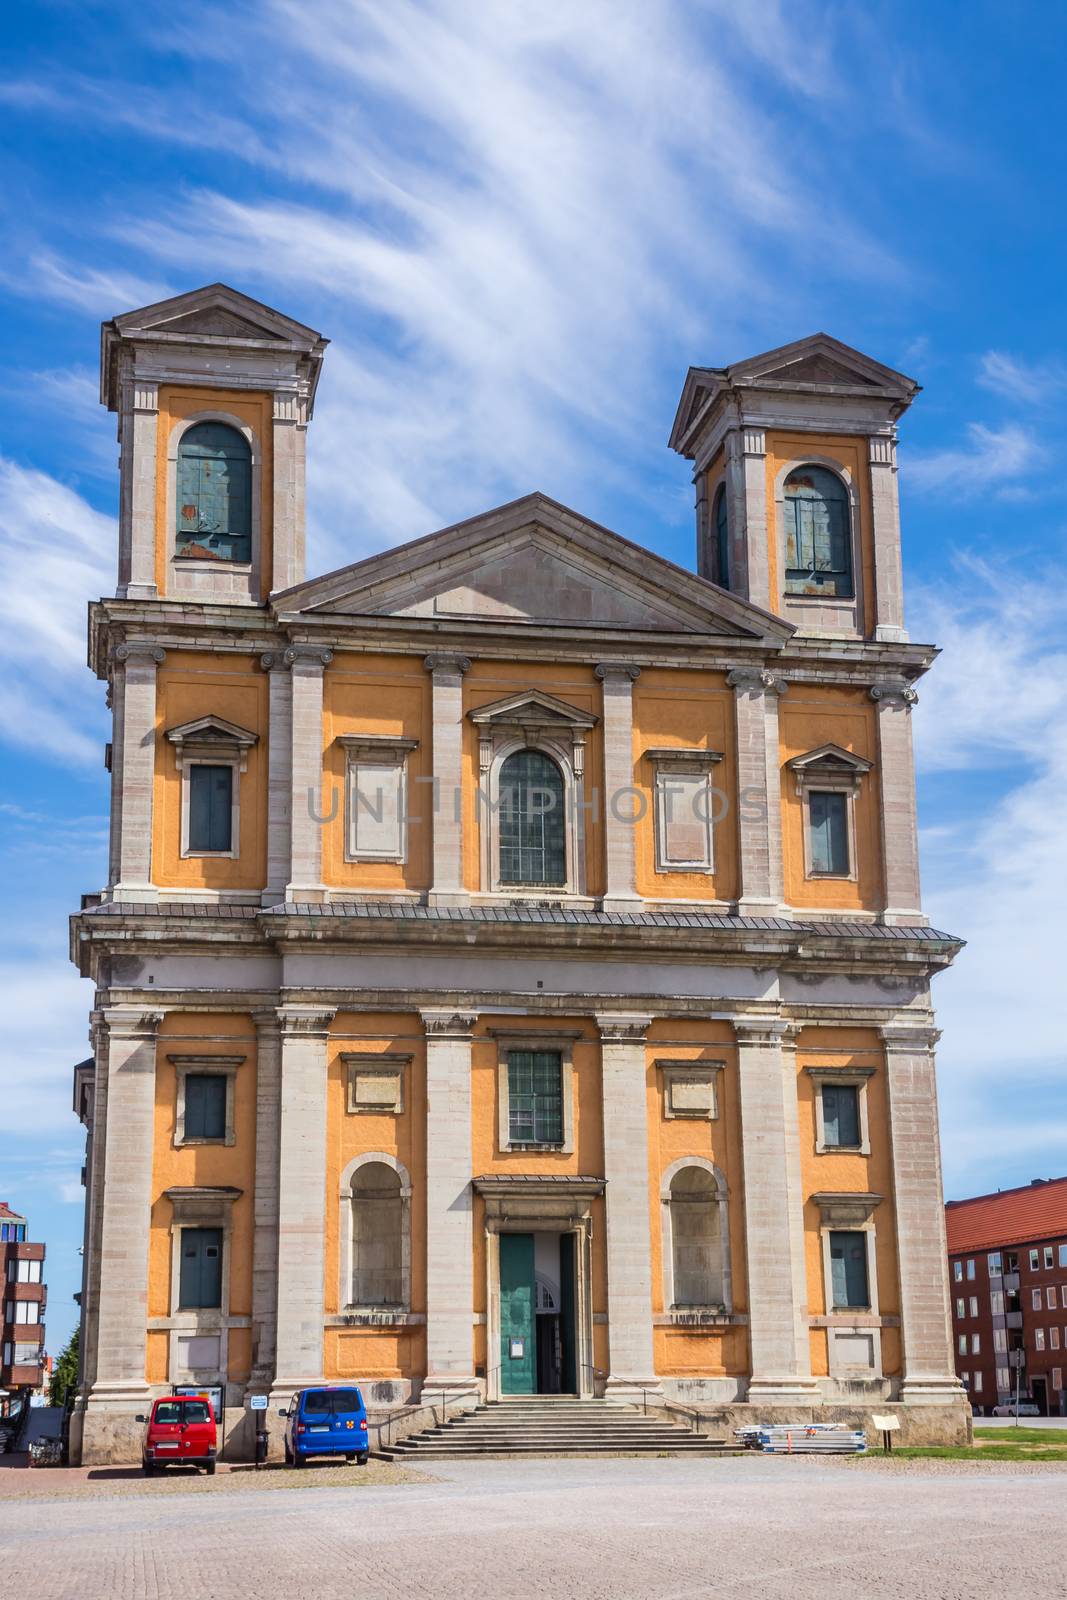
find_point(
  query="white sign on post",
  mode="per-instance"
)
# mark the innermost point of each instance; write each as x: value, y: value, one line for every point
x: 258, y: 1402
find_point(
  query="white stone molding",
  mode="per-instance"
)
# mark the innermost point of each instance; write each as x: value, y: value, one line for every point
x: 347, y: 1227
x: 218, y: 1066
x: 194, y: 1333
x: 307, y: 802
x: 561, y: 1043
x: 759, y: 811
x: 138, y: 427
x: 885, y: 519
x: 133, y: 768
x: 841, y: 1078
x: 126, y: 1205
x: 822, y: 614
x: 304, y: 1031
x: 376, y: 791
x: 746, y: 479
x: 447, y: 671
x: 853, y: 1334
x: 900, y: 827
x: 449, y: 1242
x: 624, y: 1076
x: 720, y: 1199
x: 279, y: 775
x: 374, y: 1082
x: 211, y: 741
x: 621, y: 797
x: 830, y: 768
x: 780, y: 1357
x: 265, y: 1196
x: 684, y: 808
x: 532, y: 720
x: 206, y: 579
x: 289, y: 472
x: 690, y: 1089
x: 919, y: 1212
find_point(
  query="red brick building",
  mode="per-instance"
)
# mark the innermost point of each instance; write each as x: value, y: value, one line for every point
x: 1008, y: 1269
x: 23, y: 1305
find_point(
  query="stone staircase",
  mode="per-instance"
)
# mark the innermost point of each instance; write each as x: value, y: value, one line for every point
x: 526, y: 1427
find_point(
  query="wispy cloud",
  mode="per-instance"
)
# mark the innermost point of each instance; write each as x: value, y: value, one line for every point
x: 1028, y: 383
x: 101, y: 292
x: 994, y: 458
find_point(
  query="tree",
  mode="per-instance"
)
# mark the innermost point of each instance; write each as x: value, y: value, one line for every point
x: 65, y: 1373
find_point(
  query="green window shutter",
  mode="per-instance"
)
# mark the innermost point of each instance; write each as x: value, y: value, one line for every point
x: 214, y: 494
x: 200, y: 1276
x: 535, y: 1097
x: 210, y: 808
x: 841, y: 1114
x: 205, y: 1105
x: 828, y: 821
x: 848, y: 1272
x: 533, y: 847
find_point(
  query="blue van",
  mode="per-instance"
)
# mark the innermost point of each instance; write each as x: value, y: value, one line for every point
x: 325, y: 1422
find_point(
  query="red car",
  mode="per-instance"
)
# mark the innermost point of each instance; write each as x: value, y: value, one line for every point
x: 180, y: 1430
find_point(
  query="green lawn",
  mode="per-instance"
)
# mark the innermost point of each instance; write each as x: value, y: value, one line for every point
x: 994, y: 1444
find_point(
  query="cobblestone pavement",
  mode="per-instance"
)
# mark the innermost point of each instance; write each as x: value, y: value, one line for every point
x: 569, y: 1530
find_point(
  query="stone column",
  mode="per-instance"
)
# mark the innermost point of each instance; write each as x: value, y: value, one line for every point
x: 137, y: 490
x: 447, y: 803
x: 620, y: 796
x: 777, y: 1315
x: 900, y: 826
x: 265, y: 1208
x: 119, y: 1387
x: 279, y: 777
x: 885, y: 517
x: 308, y: 804
x: 746, y: 488
x: 301, y: 1200
x: 288, y: 522
x: 759, y: 790
x: 624, y: 1074
x: 919, y: 1213
x: 449, y: 1197
x: 133, y: 768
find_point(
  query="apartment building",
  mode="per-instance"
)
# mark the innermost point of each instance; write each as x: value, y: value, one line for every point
x: 24, y: 1300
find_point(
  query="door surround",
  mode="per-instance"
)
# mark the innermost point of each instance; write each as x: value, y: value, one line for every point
x: 539, y: 1203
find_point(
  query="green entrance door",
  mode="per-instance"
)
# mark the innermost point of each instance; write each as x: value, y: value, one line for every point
x: 518, y: 1336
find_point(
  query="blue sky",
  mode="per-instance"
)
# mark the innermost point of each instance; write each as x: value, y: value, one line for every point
x: 519, y: 223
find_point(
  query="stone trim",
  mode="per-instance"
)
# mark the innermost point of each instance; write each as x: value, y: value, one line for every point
x: 696, y: 1076
x: 851, y: 1330
x: 843, y: 1078
x: 561, y: 1044
x: 532, y: 721
x: 620, y: 835
x: 668, y: 763
x: 344, y: 1299
x: 817, y: 613
x: 386, y: 1067
x: 199, y: 1206
x: 202, y: 579
x: 211, y: 741
x: 724, y: 1307
x: 217, y: 1066
x: 447, y: 672
x: 381, y: 750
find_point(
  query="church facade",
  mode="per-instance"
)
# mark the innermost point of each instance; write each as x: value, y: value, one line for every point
x: 511, y: 976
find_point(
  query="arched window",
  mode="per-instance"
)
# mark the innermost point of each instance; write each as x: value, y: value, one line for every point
x: 696, y: 1239
x: 214, y: 493
x: 377, y: 1236
x: 533, y: 844
x: 722, y: 539
x: 818, y: 537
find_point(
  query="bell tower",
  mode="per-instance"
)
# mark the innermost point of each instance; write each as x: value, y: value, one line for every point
x: 213, y: 393
x: 795, y: 468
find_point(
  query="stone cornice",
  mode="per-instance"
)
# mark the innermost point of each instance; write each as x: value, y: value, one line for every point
x: 305, y: 1021
x: 622, y: 1028
x: 448, y: 1024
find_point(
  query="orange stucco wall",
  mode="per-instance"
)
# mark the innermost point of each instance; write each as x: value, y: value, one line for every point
x: 191, y: 685
x: 850, y: 454
x: 810, y: 717
x: 255, y: 411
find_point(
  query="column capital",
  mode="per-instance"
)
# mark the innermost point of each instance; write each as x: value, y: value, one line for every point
x: 131, y: 1021
x: 275, y: 661
x: 764, y: 1033
x: 621, y: 1028
x: 756, y: 680
x: 448, y: 1024
x: 139, y: 650
x: 311, y: 655
x: 882, y: 449
x: 909, y: 1038
x: 305, y: 1021
x: 753, y: 440
x: 894, y: 691
x: 617, y: 669
x: 446, y: 661
x: 265, y: 1019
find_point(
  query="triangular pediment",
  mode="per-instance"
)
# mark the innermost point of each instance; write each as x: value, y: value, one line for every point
x: 211, y: 730
x: 533, y: 563
x: 829, y: 758
x: 532, y: 708
x: 215, y: 311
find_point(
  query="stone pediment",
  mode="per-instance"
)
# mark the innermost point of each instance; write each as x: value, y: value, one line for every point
x: 217, y: 311
x: 533, y: 708
x: 217, y: 320
x: 533, y: 563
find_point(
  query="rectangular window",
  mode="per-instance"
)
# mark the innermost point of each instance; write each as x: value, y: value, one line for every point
x: 996, y: 1302
x: 30, y: 1272
x: 27, y: 1311
x: 1048, y: 1258
x: 957, y: 1271
x: 970, y: 1270
x: 976, y: 1343
x: 841, y: 1116
x: 848, y: 1271
x: 27, y: 1355
x: 1050, y: 1297
x: 1063, y: 1255
x: 1057, y: 1377
x: 1000, y: 1341
x: 828, y: 822
x: 205, y: 1105
x: 1039, y: 1338
x: 200, y: 1282
x: 974, y: 1306
x: 961, y: 1306
x: 961, y: 1344
x: 1054, y: 1338
x: 994, y: 1263
x: 1063, y: 1294
x: 1035, y: 1260
x: 535, y: 1097
x: 1003, y: 1378
x: 1035, y: 1299
x: 210, y: 808
x: 978, y: 1380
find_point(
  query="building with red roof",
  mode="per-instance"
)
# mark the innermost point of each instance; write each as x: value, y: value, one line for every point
x: 1008, y: 1266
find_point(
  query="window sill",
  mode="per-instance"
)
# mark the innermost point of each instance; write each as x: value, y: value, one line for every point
x: 842, y: 1149
x: 375, y: 1317
x: 698, y: 1317
x: 556, y: 1145
x: 224, y: 1141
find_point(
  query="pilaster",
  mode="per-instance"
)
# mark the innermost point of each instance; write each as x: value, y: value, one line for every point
x: 447, y: 672
x: 620, y: 795
x: 279, y: 777
x: 759, y: 789
x: 138, y: 429
x: 303, y: 1035
x: 449, y: 1202
x: 885, y: 518
x: 265, y: 1209
x: 307, y: 663
x: 746, y: 489
x: 133, y: 768
x: 777, y: 1310
x: 919, y: 1211
x: 624, y: 1075
x: 289, y: 429
x: 900, y: 827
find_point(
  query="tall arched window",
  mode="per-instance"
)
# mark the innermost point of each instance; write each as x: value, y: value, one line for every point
x: 818, y: 536
x: 722, y: 539
x: 533, y: 844
x: 214, y: 492
x: 377, y: 1236
x: 696, y: 1239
